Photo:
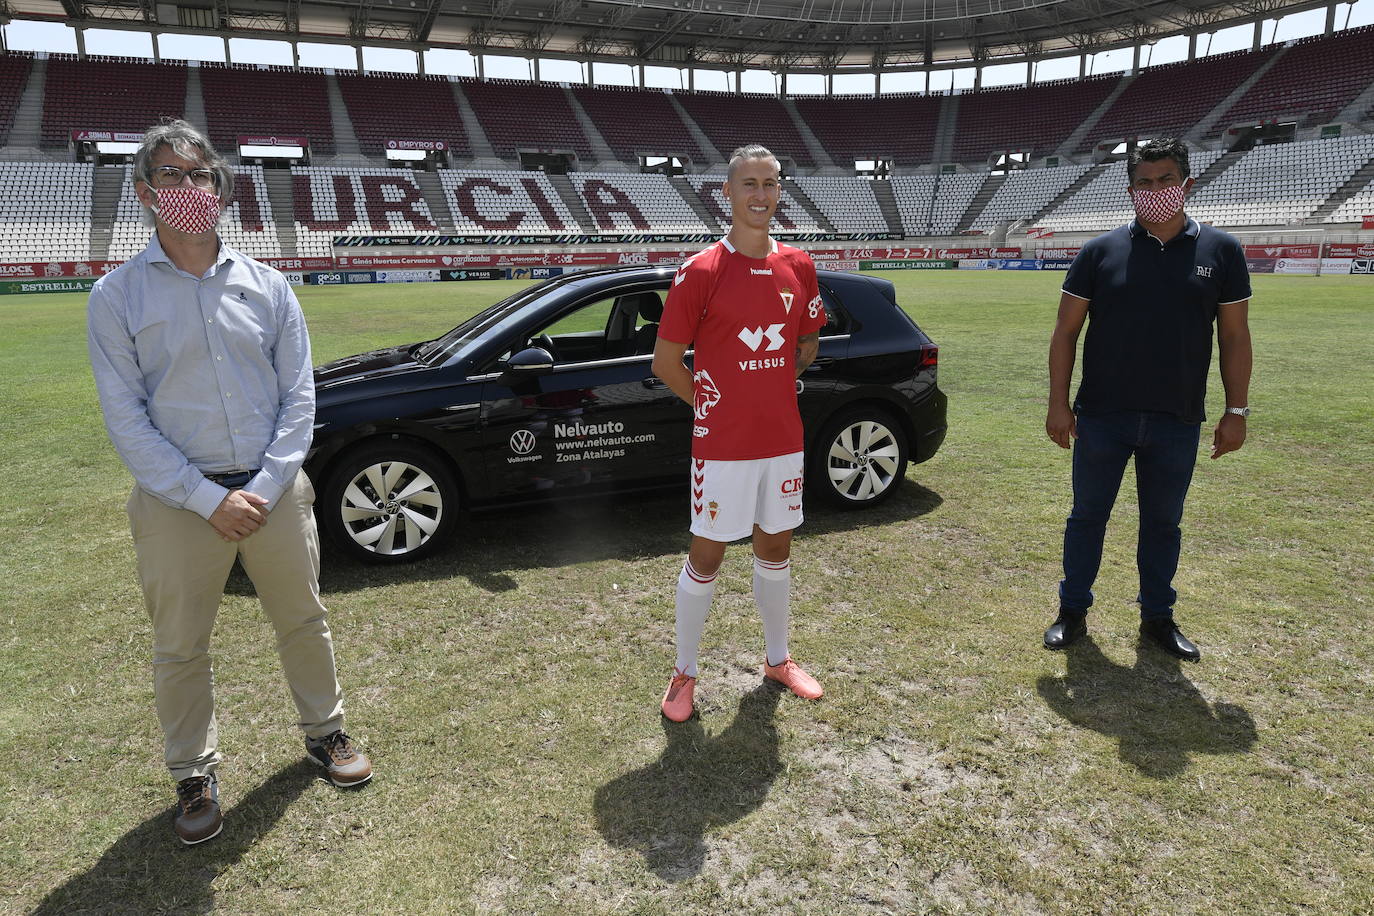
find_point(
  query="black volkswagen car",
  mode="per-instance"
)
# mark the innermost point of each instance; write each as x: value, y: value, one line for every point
x: 549, y: 394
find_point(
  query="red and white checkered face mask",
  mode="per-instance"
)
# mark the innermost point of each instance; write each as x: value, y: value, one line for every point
x: 189, y: 210
x: 1158, y: 206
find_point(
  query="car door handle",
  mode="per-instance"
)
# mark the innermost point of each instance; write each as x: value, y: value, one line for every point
x: 820, y: 363
x: 655, y: 383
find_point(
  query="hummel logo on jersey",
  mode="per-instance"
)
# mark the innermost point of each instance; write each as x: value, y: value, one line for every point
x: 753, y: 337
x: 787, y: 297
x: 761, y: 272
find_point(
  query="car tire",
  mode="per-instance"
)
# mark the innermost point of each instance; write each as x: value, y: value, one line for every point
x: 859, y: 458
x: 389, y: 502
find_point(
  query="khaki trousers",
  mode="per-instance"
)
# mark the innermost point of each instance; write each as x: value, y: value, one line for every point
x: 183, y: 565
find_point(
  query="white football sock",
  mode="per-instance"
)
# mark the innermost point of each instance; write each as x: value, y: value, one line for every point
x: 772, y: 594
x: 694, y: 593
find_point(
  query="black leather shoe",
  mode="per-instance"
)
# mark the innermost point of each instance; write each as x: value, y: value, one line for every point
x: 1166, y: 634
x: 1066, y: 629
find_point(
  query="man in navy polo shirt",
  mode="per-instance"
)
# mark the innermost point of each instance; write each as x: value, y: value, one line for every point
x: 1150, y: 292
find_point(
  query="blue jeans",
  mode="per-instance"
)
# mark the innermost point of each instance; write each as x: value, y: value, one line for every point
x: 1165, y: 450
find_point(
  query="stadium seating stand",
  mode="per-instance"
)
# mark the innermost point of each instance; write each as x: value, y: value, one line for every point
x: 526, y: 116
x: 101, y: 93
x: 402, y: 107
x: 258, y: 100
x: 731, y: 120
x: 900, y: 128
x: 14, y: 76
x: 1031, y: 119
x: 637, y: 122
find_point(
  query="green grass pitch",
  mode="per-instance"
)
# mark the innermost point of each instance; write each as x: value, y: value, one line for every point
x: 507, y: 689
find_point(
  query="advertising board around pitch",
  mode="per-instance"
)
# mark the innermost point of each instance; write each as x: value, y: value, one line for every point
x: 340, y: 277
x: 65, y: 285
x: 473, y: 273
x: 407, y: 276
x: 909, y: 265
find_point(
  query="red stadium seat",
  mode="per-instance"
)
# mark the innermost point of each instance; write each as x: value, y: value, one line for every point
x: 525, y: 116
x: 107, y: 94
x: 898, y: 127
x: 1034, y: 119
x: 1311, y: 83
x: 14, y: 76
x: 655, y: 128
x: 403, y: 107
x: 731, y: 121
x: 1167, y: 101
x: 258, y: 100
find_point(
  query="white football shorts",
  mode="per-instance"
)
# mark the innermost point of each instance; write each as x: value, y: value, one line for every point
x: 728, y: 498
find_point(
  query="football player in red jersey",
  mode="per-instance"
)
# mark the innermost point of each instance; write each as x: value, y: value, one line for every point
x: 751, y: 309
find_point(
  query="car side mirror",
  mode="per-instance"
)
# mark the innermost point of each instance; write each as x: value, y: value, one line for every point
x: 531, y: 361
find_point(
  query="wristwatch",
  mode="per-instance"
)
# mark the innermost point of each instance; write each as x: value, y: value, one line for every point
x: 1239, y: 411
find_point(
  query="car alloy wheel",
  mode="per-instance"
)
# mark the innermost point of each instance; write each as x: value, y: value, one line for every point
x: 390, y: 502
x: 859, y: 458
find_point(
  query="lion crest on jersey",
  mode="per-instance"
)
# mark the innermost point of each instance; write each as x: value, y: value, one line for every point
x: 707, y: 394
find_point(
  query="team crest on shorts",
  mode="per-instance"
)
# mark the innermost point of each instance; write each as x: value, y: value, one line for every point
x: 787, y: 296
x: 713, y: 509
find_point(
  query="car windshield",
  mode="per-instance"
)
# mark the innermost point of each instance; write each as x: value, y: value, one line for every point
x: 496, y: 319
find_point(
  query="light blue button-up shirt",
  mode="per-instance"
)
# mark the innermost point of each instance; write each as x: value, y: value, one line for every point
x: 202, y: 375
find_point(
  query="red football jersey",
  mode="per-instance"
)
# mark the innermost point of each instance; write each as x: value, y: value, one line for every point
x: 744, y: 315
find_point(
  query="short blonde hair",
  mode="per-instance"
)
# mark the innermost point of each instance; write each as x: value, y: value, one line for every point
x: 748, y: 151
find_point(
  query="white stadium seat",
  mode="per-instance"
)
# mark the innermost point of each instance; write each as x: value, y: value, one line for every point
x: 45, y: 211
x: 317, y: 198
x: 619, y: 202
x: 1281, y: 183
x: 847, y: 201
x: 491, y: 201
x: 1026, y: 193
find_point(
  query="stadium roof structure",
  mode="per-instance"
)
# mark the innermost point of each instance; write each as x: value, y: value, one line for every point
x: 827, y: 36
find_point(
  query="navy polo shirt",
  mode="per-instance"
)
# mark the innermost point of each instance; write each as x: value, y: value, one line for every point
x: 1150, y: 313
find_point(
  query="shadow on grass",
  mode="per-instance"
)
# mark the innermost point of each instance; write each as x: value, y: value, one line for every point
x: 1157, y: 714
x: 699, y: 783
x: 488, y: 546
x: 148, y: 870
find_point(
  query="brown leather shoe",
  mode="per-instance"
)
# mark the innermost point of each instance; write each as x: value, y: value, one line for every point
x: 344, y: 765
x: 198, y: 816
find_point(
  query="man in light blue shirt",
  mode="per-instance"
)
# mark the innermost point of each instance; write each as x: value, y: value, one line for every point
x: 202, y: 363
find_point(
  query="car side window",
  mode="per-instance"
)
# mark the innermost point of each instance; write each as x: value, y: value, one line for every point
x: 610, y: 327
x: 580, y: 335
x: 835, y: 320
